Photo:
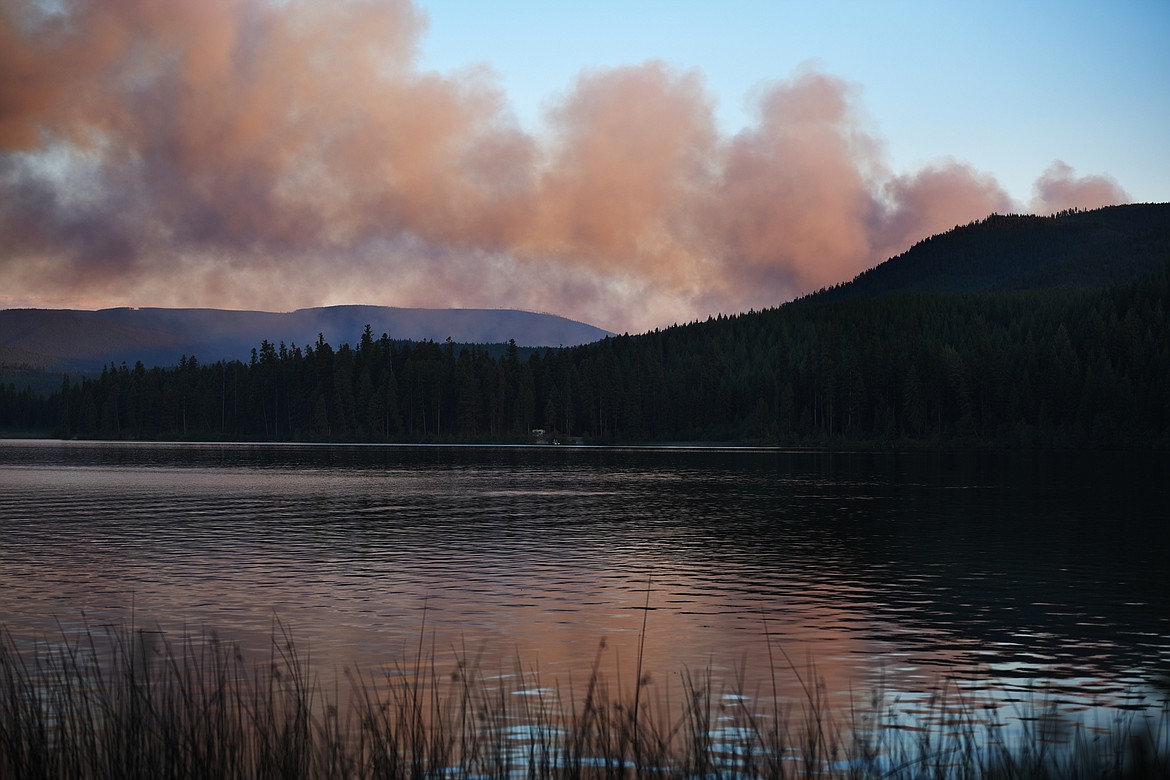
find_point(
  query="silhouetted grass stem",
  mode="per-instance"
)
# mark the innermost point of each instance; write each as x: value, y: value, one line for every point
x: 121, y: 702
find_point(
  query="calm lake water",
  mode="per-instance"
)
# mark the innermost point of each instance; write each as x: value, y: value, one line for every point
x: 996, y: 574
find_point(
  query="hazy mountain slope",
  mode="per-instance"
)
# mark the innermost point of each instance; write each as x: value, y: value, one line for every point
x: 78, y: 338
x: 89, y: 339
x: 16, y: 359
x: 1002, y: 253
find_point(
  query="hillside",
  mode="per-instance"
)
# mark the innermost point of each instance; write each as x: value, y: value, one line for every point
x: 1065, y: 368
x: 88, y: 340
x: 1071, y: 250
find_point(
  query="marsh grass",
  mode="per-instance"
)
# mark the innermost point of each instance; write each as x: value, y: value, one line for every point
x: 121, y: 702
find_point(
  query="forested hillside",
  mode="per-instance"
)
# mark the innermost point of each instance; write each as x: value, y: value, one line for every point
x: 1062, y: 366
x: 1075, y: 368
x: 1072, y: 249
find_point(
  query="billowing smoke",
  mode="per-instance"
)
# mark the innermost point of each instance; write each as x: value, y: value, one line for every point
x: 244, y: 153
x: 1058, y: 189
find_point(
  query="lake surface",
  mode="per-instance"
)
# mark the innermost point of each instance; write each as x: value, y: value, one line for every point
x: 993, y: 574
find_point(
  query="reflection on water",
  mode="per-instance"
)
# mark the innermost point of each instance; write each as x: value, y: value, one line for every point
x: 987, y: 575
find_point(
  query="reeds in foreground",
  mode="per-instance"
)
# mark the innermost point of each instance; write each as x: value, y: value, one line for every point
x: 128, y: 703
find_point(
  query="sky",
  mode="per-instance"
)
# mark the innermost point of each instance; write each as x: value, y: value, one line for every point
x: 630, y: 165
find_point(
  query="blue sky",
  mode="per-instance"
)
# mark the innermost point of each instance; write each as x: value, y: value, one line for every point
x: 1007, y: 87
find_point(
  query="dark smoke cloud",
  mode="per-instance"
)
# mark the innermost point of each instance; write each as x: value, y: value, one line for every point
x: 271, y: 155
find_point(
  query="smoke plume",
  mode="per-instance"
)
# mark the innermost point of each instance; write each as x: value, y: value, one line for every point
x: 252, y: 154
x: 1058, y: 189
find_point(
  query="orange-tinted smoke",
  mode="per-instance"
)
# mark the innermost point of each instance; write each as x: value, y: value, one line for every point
x: 280, y: 154
x: 627, y: 167
x: 1058, y: 188
x: 934, y: 200
x: 793, y: 204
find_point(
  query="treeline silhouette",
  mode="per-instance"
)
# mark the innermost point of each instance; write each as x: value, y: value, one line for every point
x: 1063, y: 367
x: 24, y: 410
x: 1010, y: 331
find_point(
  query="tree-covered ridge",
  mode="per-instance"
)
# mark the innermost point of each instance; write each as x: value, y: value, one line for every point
x: 1024, y: 252
x: 1057, y: 367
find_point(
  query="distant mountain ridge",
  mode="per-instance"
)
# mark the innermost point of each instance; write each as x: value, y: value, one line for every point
x: 1071, y: 249
x: 75, y: 339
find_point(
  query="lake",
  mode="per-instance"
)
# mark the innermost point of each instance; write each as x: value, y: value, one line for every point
x: 1000, y: 576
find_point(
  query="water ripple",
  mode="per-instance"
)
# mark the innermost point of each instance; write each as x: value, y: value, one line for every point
x: 905, y: 569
